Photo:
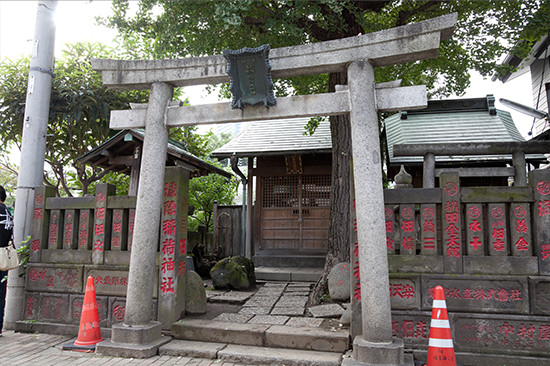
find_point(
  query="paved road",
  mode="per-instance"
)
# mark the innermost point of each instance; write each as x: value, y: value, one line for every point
x: 19, y: 349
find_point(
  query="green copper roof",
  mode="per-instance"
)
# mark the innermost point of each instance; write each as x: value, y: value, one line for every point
x: 451, y: 122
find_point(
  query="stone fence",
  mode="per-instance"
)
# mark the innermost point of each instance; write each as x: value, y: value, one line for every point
x: 488, y: 247
x: 73, y: 238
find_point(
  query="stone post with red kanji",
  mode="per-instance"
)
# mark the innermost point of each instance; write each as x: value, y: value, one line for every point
x: 498, y: 237
x: 475, y: 228
x: 407, y: 229
x: 539, y: 180
x: 40, y: 223
x: 451, y: 222
x: 102, y: 223
x: 173, y: 246
x: 119, y: 230
x: 520, y: 230
x: 428, y: 229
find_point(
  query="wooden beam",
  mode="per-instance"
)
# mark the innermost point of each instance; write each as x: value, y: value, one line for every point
x: 122, y: 160
x: 106, y: 153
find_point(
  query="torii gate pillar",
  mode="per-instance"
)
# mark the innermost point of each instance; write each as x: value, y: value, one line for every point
x: 376, y: 345
x: 139, y: 335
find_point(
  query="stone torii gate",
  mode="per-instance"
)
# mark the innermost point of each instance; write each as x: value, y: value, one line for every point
x: 139, y: 335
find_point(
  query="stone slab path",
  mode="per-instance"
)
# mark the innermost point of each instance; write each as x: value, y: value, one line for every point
x: 277, y: 303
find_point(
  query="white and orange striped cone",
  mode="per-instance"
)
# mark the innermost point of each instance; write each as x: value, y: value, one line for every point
x: 440, y: 349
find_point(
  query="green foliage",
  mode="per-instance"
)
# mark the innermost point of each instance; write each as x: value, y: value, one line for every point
x: 79, y: 113
x: 485, y: 31
x: 119, y: 180
x: 312, y: 125
x: 24, y: 251
x: 325, y: 298
x: 191, y: 141
x: 203, y: 191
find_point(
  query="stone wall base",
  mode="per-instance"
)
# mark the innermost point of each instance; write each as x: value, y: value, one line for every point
x: 349, y: 361
x: 369, y: 353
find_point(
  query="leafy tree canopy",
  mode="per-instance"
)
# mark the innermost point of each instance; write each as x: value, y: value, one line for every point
x: 485, y: 31
x: 79, y: 118
x: 79, y: 113
x: 203, y: 191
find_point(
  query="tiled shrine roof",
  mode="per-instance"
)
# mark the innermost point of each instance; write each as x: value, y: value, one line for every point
x: 117, y: 152
x: 262, y: 138
x: 453, y: 121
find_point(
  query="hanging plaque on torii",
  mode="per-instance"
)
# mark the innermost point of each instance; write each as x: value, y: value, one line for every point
x: 250, y: 76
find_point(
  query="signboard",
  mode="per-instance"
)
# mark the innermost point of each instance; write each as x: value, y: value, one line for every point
x: 250, y: 76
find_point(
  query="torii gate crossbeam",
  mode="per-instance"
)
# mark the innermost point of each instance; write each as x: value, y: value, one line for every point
x: 407, y: 43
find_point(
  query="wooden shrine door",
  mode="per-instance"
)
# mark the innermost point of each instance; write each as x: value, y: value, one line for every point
x: 294, y: 215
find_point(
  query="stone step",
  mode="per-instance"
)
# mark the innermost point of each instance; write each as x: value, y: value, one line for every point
x: 251, y: 355
x: 262, y: 335
x: 303, y: 261
x: 288, y: 274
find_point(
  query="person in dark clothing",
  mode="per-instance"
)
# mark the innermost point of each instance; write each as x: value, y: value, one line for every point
x: 6, y: 229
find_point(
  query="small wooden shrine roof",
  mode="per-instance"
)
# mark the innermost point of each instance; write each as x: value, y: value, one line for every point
x: 117, y: 154
x: 278, y: 137
x: 453, y: 121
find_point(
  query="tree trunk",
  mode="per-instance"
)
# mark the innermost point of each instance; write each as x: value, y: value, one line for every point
x: 339, y: 226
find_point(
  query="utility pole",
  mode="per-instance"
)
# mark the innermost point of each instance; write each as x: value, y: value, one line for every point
x: 33, y: 147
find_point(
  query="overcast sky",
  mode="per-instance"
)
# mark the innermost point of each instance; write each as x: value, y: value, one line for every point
x: 75, y: 22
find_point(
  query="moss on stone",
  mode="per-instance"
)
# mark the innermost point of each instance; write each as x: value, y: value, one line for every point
x: 233, y: 272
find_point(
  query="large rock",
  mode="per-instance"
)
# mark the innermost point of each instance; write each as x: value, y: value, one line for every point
x: 339, y: 282
x: 195, y: 294
x: 233, y: 272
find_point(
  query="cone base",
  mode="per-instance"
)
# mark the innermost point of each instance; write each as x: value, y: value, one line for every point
x: 79, y: 348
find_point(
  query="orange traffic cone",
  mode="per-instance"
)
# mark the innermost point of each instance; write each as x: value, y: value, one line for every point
x: 89, y: 332
x: 440, y: 349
